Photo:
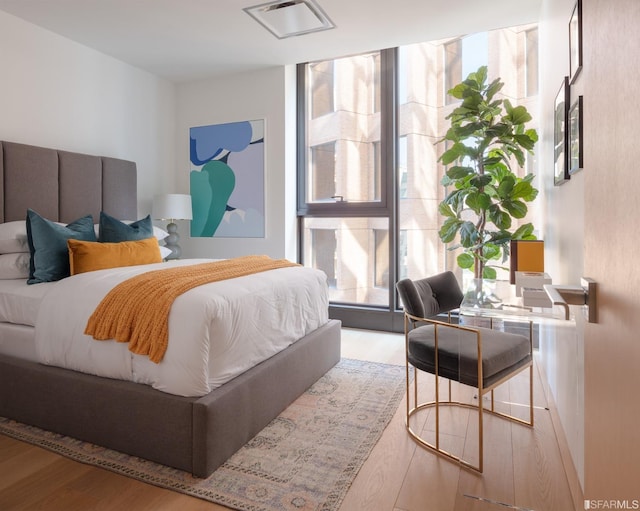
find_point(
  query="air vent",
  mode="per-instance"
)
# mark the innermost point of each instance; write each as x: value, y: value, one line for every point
x: 290, y: 18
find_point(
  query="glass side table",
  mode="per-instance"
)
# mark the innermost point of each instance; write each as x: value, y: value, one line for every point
x: 494, y: 304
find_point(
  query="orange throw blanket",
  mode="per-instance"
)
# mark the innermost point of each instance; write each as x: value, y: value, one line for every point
x: 137, y: 310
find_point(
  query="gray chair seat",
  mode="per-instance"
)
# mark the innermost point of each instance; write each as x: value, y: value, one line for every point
x: 502, y: 353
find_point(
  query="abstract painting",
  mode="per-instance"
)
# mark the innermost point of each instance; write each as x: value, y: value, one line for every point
x: 227, y: 180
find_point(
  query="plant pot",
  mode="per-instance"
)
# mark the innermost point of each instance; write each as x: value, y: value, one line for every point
x: 484, y: 293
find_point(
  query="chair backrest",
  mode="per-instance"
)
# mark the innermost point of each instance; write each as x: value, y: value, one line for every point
x: 430, y: 296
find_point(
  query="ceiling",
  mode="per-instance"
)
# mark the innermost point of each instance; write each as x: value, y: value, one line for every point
x: 184, y: 40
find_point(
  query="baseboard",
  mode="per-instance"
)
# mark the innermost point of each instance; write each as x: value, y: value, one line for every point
x: 575, y: 487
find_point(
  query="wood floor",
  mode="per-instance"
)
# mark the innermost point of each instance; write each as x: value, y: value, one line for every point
x: 523, y: 468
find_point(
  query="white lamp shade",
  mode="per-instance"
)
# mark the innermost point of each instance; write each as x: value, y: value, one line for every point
x: 172, y: 206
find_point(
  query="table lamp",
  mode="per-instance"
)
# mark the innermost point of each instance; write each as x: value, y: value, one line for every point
x: 171, y: 207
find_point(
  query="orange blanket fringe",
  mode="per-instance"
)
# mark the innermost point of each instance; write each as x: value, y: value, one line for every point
x: 137, y: 310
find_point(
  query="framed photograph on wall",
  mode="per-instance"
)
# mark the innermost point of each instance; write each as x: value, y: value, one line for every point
x: 575, y: 136
x: 575, y: 42
x: 561, y: 111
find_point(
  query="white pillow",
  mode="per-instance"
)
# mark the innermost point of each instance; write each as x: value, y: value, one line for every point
x: 13, y: 237
x: 164, y: 251
x: 160, y: 234
x: 14, y: 266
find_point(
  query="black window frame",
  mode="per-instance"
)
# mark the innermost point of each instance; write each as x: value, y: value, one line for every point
x: 356, y: 315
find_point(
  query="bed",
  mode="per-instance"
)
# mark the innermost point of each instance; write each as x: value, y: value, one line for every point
x: 195, y: 433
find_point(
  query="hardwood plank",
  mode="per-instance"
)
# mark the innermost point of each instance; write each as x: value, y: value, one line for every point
x: 21, y: 460
x: 44, y: 487
x: 380, y: 479
x: 430, y: 484
x: 496, y: 482
x: 537, y: 459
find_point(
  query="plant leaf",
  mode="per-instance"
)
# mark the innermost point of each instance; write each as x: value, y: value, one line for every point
x: 449, y: 229
x: 445, y: 210
x: 518, y: 115
x: 481, y: 181
x: 489, y: 273
x: 457, y: 172
x: 499, y: 218
x: 506, y: 186
x: 491, y: 251
x: 468, y: 234
x: 494, y: 87
x: 465, y: 261
x: 523, y: 232
x: 524, y: 141
x: 457, y: 150
x: 516, y: 208
x: 524, y: 190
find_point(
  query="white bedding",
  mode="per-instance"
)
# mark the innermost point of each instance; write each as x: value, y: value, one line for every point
x: 19, y: 302
x: 216, y: 331
x: 18, y: 341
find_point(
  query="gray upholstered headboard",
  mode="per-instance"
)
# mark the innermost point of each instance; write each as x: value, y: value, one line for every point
x: 64, y: 186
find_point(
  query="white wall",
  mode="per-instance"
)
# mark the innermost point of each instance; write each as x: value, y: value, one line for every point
x: 270, y: 95
x: 562, y: 342
x: 57, y: 93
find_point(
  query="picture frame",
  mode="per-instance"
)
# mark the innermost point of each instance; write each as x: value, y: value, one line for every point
x: 227, y: 179
x: 560, y: 137
x: 575, y: 136
x: 575, y: 42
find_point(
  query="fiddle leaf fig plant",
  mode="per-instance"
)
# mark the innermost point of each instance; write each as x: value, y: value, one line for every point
x: 486, y: 136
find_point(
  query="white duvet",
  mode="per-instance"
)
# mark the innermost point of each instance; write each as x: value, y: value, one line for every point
x: 216, y: 331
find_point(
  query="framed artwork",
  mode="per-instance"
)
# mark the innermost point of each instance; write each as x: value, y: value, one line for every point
x: 575, y: 42
x: 575, y: 136
x: 227, y: 180
x: 560, y: 167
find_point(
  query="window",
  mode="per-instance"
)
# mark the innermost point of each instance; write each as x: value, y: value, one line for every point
x: 324, y: 253
x: 376, y: 158
x: 531, y: 62
x: 402, y: 255
x: 402, y: 167
x: 376, y: 82
x: 381, y: 239
x: 452, y: 67
x: 345, y: 178
x: 351, y: 251
x: 369, y: 175
x: 322, y: 91
x: 323, y: 172
x: 344, y: 143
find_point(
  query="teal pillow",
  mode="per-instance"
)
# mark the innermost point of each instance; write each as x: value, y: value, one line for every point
x: 112, y: 230
x: 48, y: 245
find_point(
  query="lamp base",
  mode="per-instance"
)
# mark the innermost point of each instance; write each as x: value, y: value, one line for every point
x: 171, y: 242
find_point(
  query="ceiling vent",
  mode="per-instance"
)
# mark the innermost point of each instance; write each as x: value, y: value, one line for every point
x: 290, y: 18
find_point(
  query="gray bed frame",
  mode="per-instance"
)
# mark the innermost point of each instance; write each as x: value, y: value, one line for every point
x: 192, y: 434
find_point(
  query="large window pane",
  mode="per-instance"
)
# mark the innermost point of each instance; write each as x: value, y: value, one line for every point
x: 322, y: 171
x: 422, y: 122
x: 352, y: 126
x: 322, y: 89
x: 354, y: 252
x: 452, y: 66
x: 531, y: 63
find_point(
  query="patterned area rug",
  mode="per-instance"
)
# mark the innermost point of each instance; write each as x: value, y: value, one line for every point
x: 305, y: 459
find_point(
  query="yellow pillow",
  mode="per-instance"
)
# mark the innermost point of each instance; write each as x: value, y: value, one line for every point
x: 91, y: 255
